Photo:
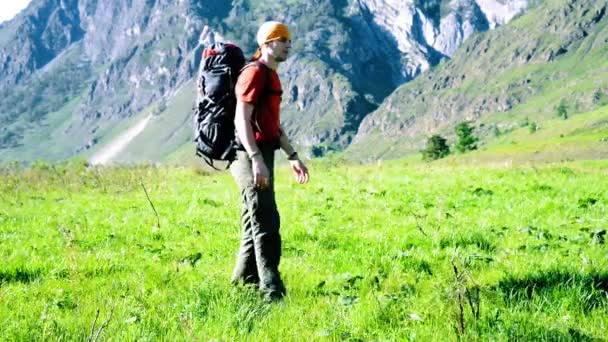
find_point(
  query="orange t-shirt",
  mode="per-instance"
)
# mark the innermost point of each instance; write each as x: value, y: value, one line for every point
x: 266, y: 98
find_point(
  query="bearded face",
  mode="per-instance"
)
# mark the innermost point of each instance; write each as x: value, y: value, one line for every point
x: 279, y: 49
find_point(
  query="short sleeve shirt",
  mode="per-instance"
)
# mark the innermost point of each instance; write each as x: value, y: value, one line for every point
x: 251, y: 88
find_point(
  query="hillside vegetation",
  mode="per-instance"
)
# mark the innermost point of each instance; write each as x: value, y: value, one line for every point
x: 556, y: 53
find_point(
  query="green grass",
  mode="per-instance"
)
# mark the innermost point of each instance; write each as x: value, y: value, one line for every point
x: 370, y: 253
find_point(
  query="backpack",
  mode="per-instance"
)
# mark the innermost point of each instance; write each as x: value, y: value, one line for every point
x: 216, y: 103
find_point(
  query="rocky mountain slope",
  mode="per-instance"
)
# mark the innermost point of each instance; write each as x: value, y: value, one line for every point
x: 558, y: 53
x: 74, y: 73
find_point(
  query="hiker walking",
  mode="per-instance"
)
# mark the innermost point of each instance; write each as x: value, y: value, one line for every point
x: 257, y: 121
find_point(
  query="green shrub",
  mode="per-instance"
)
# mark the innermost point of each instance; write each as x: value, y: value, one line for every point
x: 467, y: 141
x: 562, y: 110
x: 496, y: 131
x: 436, y: 148
x: 532, y: 127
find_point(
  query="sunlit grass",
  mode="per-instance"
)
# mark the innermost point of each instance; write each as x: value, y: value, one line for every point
x: 371, y: 252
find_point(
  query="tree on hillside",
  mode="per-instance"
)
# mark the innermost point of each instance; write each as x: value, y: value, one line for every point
x: 160, y: 107
x: 436, y: 148
x: 597, y: 96
x: 467, y: 141
x: 532, y: 127
x: 562, y: 109
x: 496, y: 131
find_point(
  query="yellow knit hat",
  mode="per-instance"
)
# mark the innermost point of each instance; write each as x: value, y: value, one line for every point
x: 269, y: 31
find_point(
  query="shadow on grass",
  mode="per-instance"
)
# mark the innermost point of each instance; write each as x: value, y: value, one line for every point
x: 475, y: 239
x: 240, y: 308
x: 416, y: 264
x: 590, y: 289
x: 527, y: 331
x: 19, y: 275
x: 104, y: 271
x: 324, y: 240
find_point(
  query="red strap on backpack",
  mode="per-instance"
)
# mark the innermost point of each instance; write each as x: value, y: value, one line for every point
x: 209, y: 52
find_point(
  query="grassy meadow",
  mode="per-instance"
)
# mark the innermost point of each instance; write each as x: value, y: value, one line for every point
x: 397, y: 250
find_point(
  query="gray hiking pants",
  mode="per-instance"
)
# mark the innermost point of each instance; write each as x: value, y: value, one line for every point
x: 260, y: 250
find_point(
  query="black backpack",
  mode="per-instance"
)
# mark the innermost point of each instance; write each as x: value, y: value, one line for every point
x: 216, y: 103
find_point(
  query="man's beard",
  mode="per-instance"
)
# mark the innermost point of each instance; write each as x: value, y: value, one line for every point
x: 281, y: 57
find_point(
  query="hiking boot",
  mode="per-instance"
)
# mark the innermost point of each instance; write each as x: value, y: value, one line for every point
x: 274, y: 296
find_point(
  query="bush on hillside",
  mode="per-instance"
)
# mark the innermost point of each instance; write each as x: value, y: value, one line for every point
x: 600, y: 98
x: 160, y: 107
x: 467, y: 141
x: 436, y: 148
x: 562, y: 110
x: 495, y: 130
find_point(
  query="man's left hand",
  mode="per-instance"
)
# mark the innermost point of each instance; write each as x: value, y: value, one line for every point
x: 300, y: 171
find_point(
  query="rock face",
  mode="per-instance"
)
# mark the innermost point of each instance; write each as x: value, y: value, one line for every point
x: 466, y: 18
x: 80, y: 68
x: 500, y: 12
x: 32, y: 41
x: 425, y: 31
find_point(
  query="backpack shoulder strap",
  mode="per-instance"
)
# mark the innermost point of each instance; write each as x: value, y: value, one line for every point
x: 264, y: 68
x: 265, y: 90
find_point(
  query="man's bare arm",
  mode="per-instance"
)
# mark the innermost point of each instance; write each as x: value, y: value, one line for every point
x: 285, y: 144
x: 299, y: 169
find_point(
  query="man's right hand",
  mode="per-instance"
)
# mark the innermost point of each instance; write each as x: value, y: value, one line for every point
x: 261, y: 177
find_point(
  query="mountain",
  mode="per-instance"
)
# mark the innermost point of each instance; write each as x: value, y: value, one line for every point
x: 75, y: 74
x: 75, y: 87
x: 520, y: 72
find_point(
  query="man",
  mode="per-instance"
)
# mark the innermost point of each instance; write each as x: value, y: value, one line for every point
x: 257, y: 122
